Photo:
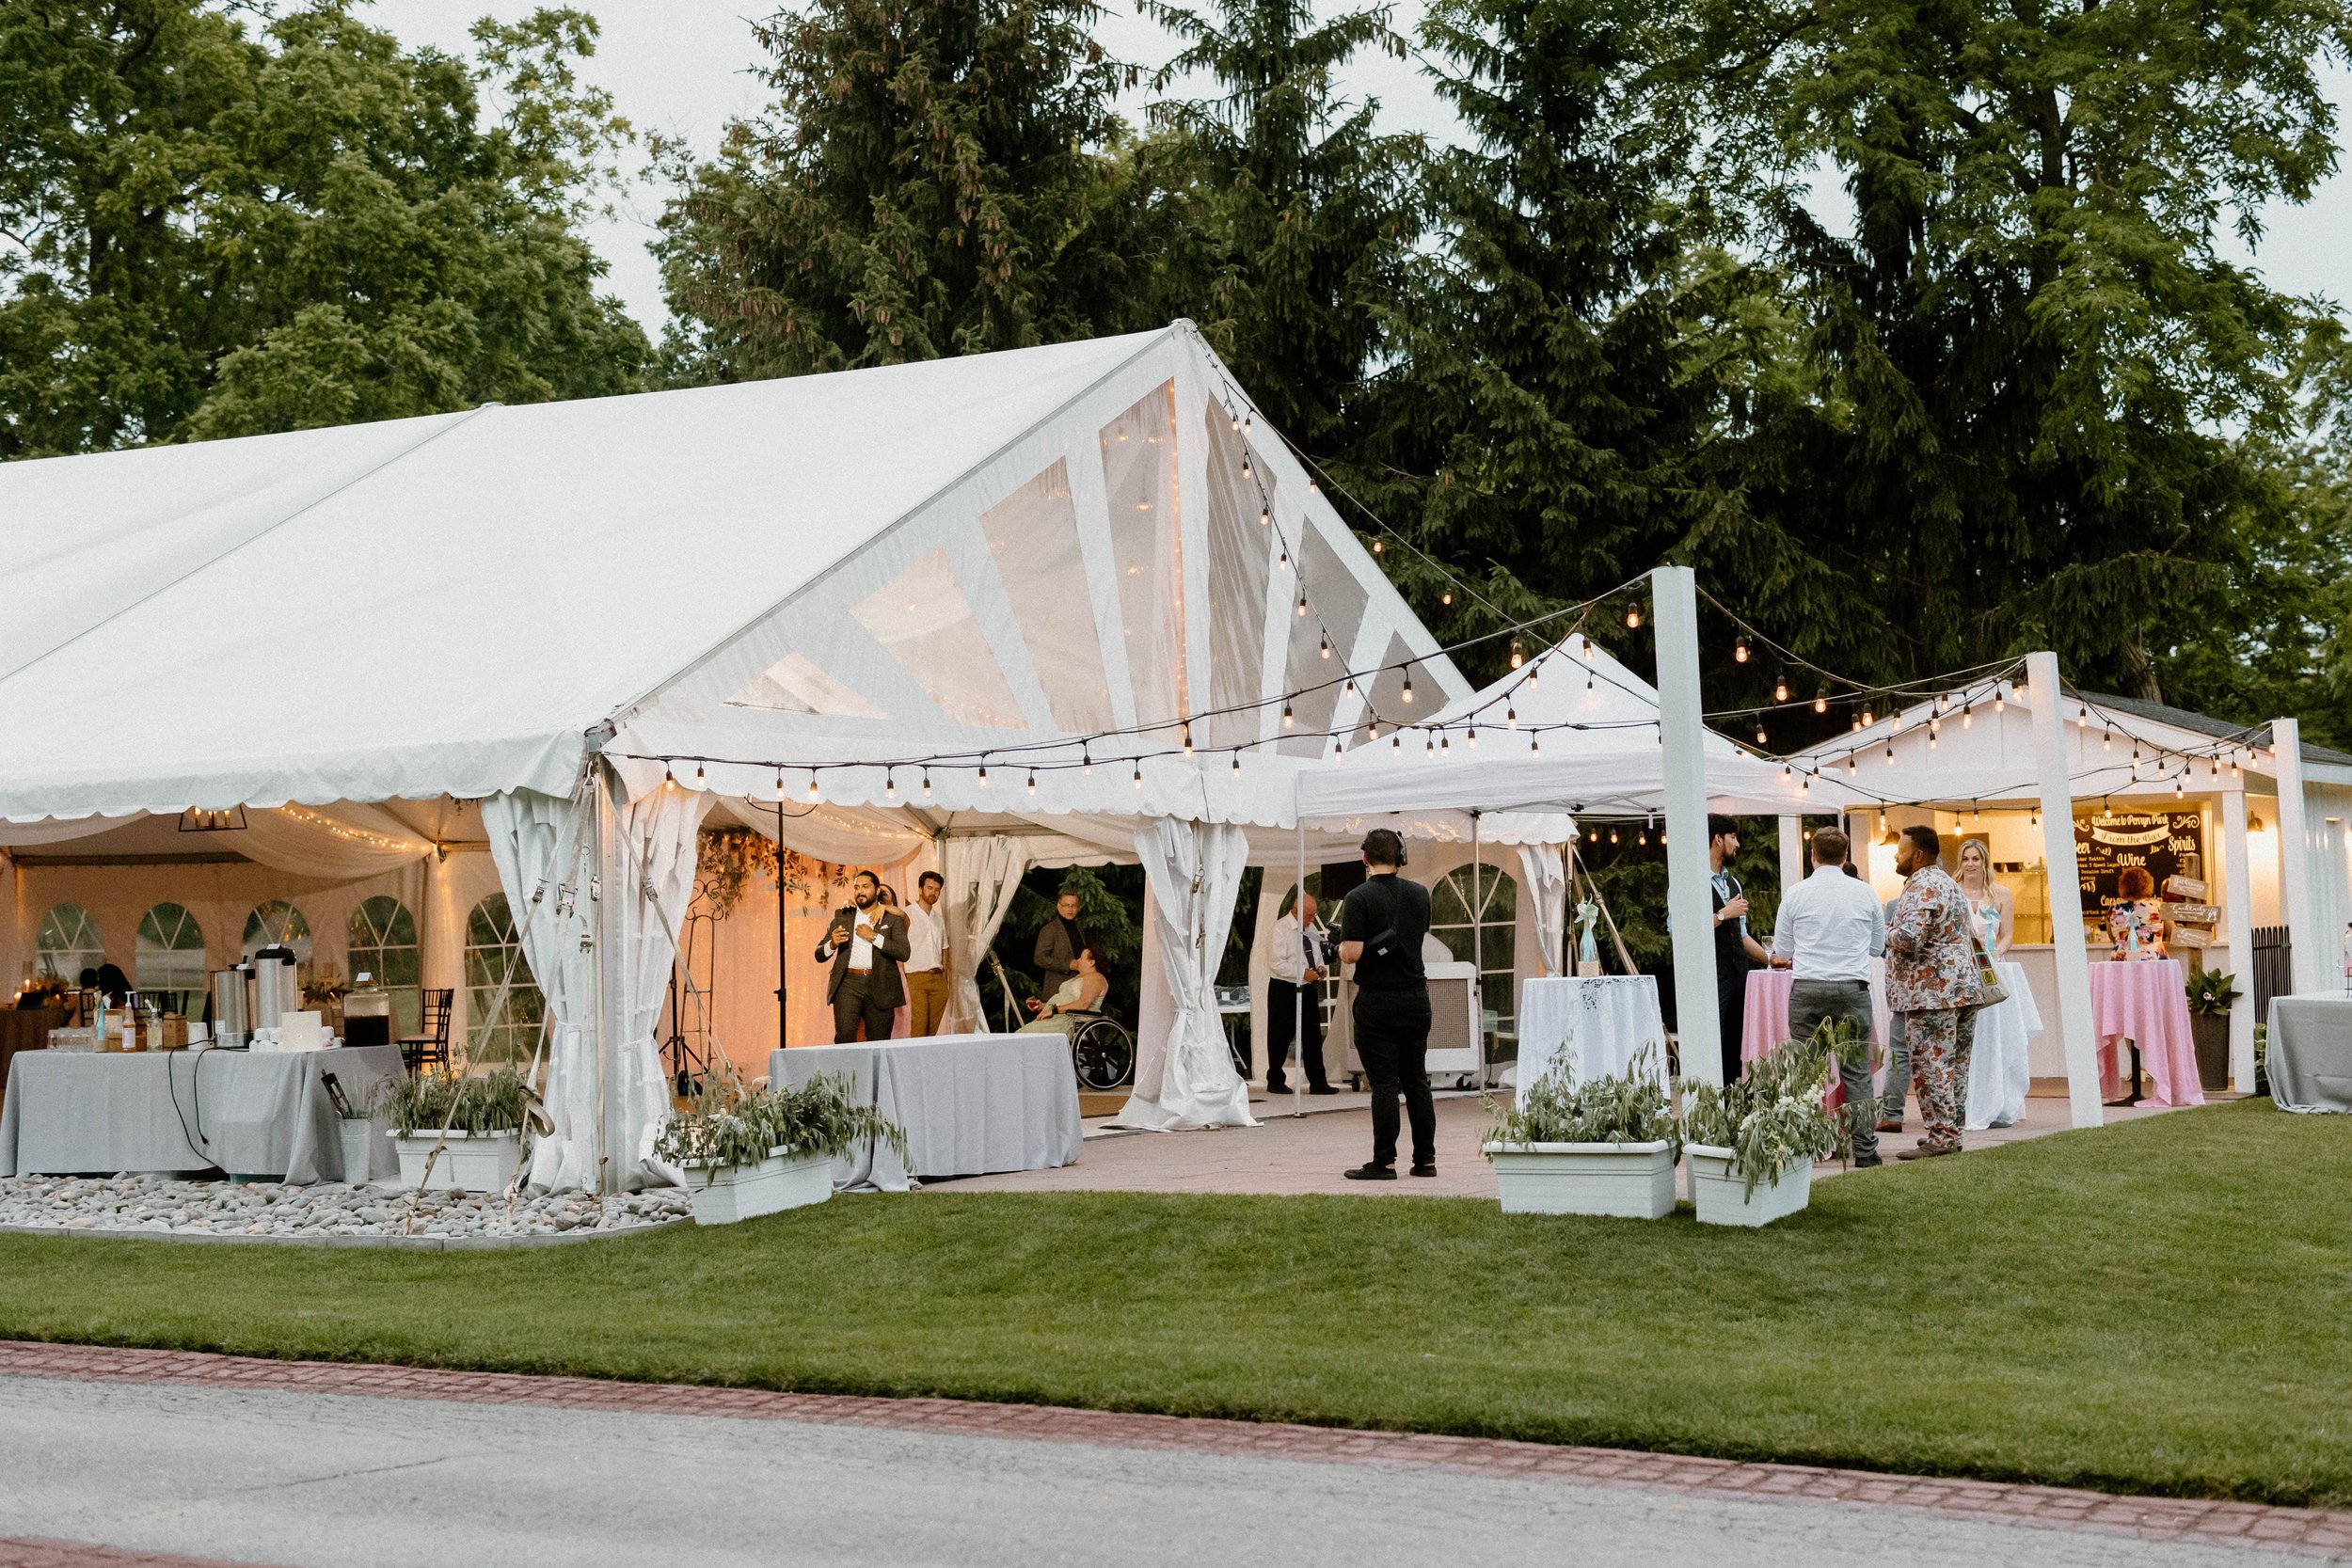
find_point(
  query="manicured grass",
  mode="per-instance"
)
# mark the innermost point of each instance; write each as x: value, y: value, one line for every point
x: 2164, y: 1306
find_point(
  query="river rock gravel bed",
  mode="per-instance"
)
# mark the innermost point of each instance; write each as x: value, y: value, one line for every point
x: 152, y: 1205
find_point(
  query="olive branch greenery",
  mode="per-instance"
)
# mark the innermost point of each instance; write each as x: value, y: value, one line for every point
x: 732, y: 1125
x: 494, y: 1101
x: 1617, y: 1108
x: 1773, y: 1117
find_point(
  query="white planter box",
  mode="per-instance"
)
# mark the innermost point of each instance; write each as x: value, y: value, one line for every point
x: 726, y: 1194
x: 1723, y: 1199
x: 359, y: 1140
x: 1628, y: 1180
x: 470, y: 1162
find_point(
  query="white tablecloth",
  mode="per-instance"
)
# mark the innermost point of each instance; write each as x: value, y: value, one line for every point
x: 1593, y: 1025
x: 970, y: 1103
x: 249, y: 1113
x: 2001, y: 1067
x: 2310, y: 1058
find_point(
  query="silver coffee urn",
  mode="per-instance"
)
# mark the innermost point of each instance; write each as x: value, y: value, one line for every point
x: 233, y: 1025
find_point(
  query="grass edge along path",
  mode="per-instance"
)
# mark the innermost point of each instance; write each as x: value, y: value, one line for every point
x: 2151, y: 1308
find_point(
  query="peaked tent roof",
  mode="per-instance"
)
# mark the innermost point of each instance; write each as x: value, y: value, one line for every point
x: 857, y: 565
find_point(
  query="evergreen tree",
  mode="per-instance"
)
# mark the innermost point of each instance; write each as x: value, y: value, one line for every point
x: 1299, y: 213
x: 935, y: 178
x: 1548, y: 429
x: 214, y: 231
x: 2032, y: 363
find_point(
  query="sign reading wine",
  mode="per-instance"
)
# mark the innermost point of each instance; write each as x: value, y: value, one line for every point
x: 2166, y: 843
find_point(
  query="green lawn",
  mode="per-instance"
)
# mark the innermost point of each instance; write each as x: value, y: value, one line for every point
x: 2160, y: 1307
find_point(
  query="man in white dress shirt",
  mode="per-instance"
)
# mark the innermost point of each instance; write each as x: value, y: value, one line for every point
x: 1293, y: 997
x: 1830, y: 928
x: 927, y: 957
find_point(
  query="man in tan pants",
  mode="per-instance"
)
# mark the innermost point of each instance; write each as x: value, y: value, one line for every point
x: 926, y: 965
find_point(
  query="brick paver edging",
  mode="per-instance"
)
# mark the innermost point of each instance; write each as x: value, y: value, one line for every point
x: 2311, y: 1531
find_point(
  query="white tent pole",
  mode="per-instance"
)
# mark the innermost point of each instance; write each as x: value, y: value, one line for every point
x: 2304, y: 938
x: 1682, y: 733
x: 1298, y: 996
x: 2065, y: 887
x: 1792, y: 853
x: 2237, y: 905
x: 603, y: 919
x: 1478, y: 948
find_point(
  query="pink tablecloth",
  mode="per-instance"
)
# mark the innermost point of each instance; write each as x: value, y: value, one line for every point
x: 2147, y: 1003
x: 1767, y: 1021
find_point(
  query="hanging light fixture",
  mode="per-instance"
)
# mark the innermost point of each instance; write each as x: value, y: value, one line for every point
x: 1511, y: 718
x: 1759, y: 734
x: 1265, y: 515
x: 890, y: 784
x: 1376, y: 546
x: 1315, y: 489
x: 779, y: 784
x: 2001, y: 698
x: 1302, y: 605
x: 1471, y: 740
x: 1408, y: 686
x: 1324, y: 651
x: 1739, y: 650
x: 701, y: 779
x: 983, y: 775
x: 1237, y: 762
x: 667, y: 777
x: 1633, y: 617
x: 1780, y: 690
x: 1446, y: 597
x: 1428, y: 746
x: 1396, y: 744
x: 1086, y: 760
x: 1245, y: 466
x: 1516, y: 654
x: 1288, y: 718
x: 1285, y: 561
x: 1138, y: 772
x: 1234, y: 417
x: 1032, y: 784
x: 927, y: 784
x: 1187, y: 738
x: 1445, y: 747
x: 1534, y: 745
x: 811, y: 783
x: 1613, y: 834
x: 1820, y: 700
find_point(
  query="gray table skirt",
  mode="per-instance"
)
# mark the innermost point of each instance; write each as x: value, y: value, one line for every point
x: 2310, y: 1059
x: 246, y: 1113
x: 970, y: 1103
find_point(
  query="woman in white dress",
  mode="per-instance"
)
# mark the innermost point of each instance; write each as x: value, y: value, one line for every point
x: 1999, y: 1066
x: 1082, y: 993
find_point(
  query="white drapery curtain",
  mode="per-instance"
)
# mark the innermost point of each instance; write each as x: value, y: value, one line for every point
x: 982, y: 876
x: 545, y: 848
x: 1544, y: 875
x: 1193, y: 871
x: 659, y: 837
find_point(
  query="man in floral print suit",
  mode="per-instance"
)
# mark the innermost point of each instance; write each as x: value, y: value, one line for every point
x: 1931, y: 981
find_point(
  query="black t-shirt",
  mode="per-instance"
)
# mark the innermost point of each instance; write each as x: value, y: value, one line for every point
x: 1388, y: 903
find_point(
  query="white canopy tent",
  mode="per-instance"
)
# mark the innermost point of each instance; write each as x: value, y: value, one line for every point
x: 1069, y: 599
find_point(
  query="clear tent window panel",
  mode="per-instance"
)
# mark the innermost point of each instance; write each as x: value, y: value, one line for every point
x: 794, y: 684
x: 1239, y: 548
x: 1335, y: 611
x: 168, y: 965
x: 922, y: 619
x: 278, y: 923
x: 382, y: 939
x: 494, y: 958
x: 1033, y: 536
x: 1147, y: 552
x: 1388, y: 702
x: 67, y: 944
x: 1476, y: 916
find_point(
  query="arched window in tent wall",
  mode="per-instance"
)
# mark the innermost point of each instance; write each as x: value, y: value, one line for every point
x: 493, y: 957
x: 168, y: 965
x: 67, y: 944
x: 383, y: 944
x: 1490, y: 912
x: 278, y: 923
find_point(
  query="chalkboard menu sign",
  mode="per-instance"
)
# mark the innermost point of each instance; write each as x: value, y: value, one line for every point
x: 2168, y: 842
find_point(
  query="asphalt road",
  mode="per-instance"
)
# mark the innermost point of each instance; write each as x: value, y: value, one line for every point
x: 324, y: 1480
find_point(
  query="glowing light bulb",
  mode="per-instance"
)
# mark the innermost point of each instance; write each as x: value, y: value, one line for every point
x: 1780, y: 690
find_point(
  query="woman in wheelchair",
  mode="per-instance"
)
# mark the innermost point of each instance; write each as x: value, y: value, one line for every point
x: 1079, y: 999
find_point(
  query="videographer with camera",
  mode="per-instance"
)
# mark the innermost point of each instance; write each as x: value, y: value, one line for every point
x: 1381, y: 924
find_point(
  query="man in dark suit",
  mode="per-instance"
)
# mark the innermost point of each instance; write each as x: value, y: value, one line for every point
x: 865, y: 945
x: 1058, y: 944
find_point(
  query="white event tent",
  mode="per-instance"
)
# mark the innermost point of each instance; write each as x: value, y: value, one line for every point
x: 1031, y: 607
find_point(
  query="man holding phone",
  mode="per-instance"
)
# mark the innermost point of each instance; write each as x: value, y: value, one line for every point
x: 1381, y: 924
x: 865, y: 945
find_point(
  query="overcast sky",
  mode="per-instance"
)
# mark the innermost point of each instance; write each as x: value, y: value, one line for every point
x: 682, y: 68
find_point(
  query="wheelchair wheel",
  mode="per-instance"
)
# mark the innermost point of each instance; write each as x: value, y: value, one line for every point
x: 1103, y: 1054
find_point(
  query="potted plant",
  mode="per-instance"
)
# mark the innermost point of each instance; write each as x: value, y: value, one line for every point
x: 457, y: 1129
x: 2209, y: 996
x: 755, y: 1152
x: 1605, y: 1145
x: 1751, y: 1145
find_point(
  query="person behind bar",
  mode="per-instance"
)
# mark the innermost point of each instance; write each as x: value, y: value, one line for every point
x: 865, y: 946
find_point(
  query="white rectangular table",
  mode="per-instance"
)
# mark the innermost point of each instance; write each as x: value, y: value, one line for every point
x: 1593, y: 1024
x: 970, y: 1103
x: 249, y: 1113
x: 2310, y: 1059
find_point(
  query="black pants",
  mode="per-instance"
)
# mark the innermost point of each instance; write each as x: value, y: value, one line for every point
x: 860, y: 1001
x: 1731, y: 997
x: 1287, y: 1006
x: 1392, y: 1040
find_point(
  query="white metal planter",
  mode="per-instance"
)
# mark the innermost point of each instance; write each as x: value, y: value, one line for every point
x: 1626, y: 1180
x: 469, y: 1162
x: 1722, y: 1198
x: 726, y: 1194
x: 357, y: 1138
